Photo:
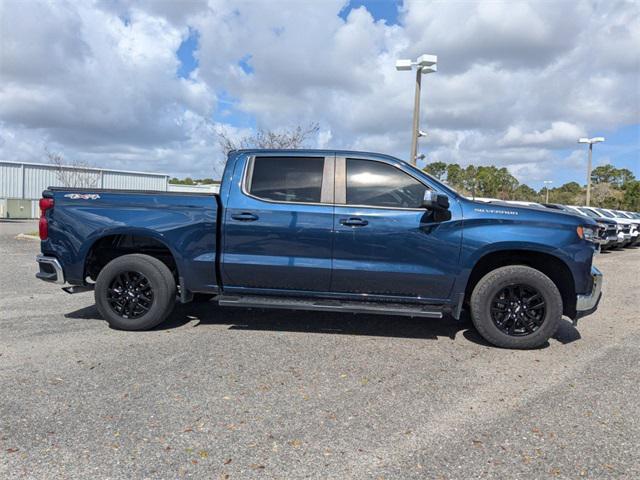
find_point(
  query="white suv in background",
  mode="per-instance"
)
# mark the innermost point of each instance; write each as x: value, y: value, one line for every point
x: 630, y: 227
x: 621, y: 227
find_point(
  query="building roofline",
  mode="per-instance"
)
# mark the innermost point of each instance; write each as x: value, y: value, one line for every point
x: 92, y: 169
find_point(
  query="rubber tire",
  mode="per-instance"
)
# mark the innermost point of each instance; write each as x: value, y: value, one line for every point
x: 496, y: 280
x: 161, y: 280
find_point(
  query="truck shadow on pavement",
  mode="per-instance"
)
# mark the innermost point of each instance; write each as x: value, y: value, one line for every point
x: 327, y: 323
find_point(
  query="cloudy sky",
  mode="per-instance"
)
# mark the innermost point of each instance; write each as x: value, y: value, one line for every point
x: 145, y: 85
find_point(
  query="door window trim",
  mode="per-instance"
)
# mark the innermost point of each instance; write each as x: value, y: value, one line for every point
x: 341, y: 185
x: 327, y: 187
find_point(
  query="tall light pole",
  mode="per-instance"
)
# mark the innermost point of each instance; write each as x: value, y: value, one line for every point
x: 546, y: 189
x: 590, y: 141
x: 424, y: 64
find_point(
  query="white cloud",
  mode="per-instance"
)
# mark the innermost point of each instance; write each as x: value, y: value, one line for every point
x: 559, y: 135
x: 517, y: 81
x: 95, y: 87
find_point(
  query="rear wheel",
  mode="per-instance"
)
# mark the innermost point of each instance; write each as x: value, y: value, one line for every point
x: 516, y: 307
x: 135, y: 292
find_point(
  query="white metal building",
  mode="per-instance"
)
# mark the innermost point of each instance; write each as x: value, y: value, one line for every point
x: 21, y: 184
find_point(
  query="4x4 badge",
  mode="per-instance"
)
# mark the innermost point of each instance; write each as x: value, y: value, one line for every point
x: 82, y: 196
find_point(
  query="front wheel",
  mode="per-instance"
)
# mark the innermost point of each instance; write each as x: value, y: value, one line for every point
x: 135, y: 292
x: 516, y: 307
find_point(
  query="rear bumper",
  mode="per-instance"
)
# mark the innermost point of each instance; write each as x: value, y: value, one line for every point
x: 588, y: 303
x: 50, y: 270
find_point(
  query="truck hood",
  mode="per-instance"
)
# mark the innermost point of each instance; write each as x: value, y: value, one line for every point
x: 531, y: 213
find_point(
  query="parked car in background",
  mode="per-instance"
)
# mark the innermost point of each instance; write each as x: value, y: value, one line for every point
x: 607, y: 228
x: 336, y: 231
x: 484, y: 199
x: 524, y: 203
x: 630, y: 228
x: 636, y: 232
x: 621, y: 227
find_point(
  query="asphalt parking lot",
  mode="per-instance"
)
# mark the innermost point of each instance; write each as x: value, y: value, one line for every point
x: 229, y: 393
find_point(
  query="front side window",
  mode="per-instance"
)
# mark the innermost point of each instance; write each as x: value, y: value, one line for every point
x: 287, y: 179
x: 377, y: 184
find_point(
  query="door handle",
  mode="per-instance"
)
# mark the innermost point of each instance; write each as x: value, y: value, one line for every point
x: 354, y: 222
x: 245, y: 217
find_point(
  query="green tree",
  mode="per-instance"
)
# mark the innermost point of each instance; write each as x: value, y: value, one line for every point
x: 455, y: 177
x: 526, y: 193
x: 470, y: 180
x: 570, y: 193
x: 606, y: 195
x: 436, y: 169
x: 631, y: 197
x: 571, y: 187
x: 617, y: 177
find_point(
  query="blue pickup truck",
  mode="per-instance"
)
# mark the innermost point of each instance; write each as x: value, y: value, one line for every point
x: 337, y: 231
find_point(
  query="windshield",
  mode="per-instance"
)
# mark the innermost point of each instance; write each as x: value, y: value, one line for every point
x: 589, y: 212
x: 605, y: 213
x: 622, y: 214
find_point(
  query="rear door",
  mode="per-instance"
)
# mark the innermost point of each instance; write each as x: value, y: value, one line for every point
x: 279, y: 224
x: 385, y: 243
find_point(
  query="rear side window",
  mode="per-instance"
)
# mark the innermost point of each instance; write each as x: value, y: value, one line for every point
x: 377, y: 184
x: 287, y: 179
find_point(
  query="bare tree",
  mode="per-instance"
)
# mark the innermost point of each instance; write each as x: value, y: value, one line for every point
x: 76, y: 173
x: 281, y: 139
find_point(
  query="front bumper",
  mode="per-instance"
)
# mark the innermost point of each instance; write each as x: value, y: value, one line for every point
x: 50, y: 270
x: 588, y: 303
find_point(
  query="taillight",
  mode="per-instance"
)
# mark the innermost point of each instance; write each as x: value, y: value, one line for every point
x: 43, y: 225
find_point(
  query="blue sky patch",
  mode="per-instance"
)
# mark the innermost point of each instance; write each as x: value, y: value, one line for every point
x: 244, y: 64
x: 386, y: 10
x: 227, y: 111
x: 185, y: 53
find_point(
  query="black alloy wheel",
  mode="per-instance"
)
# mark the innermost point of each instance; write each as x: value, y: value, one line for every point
x: 518, y: 310
x: 130, y: 295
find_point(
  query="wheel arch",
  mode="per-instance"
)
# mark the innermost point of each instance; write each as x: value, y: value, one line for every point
x: 552, y: 266
x: 114, y: 244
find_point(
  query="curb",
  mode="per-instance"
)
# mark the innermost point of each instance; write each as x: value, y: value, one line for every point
x: 24, y: 236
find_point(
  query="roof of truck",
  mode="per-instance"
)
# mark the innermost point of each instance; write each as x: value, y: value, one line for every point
x: 289, y: 151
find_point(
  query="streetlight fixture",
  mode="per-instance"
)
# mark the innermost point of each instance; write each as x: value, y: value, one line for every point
x: 546, y: 189
x: 590, y: 141
x: 424, y: 64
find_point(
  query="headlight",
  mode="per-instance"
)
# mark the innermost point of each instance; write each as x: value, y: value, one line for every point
x: 587, y: 232
x: 602, y: 225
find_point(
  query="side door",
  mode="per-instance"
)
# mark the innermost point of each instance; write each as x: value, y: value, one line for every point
x: 385, y: 243
x: 278, y: 224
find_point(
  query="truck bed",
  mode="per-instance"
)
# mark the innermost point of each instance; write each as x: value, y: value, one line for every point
x: 86, y: 222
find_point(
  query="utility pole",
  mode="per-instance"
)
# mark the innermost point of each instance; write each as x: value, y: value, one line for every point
x: 416, y: 117
x: 589, y: 174
x: 590, y: 141
x: 424, y: 64
x: 546, y: 189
